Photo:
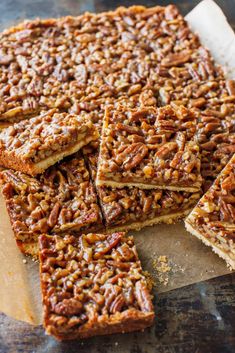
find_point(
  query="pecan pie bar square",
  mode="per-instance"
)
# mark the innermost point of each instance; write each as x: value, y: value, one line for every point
x: 213, y: 103
x: 31, y: 146
x: 93, y: 285
x: 133, y: 208
x: 213, y: 219
x: 61, y: 200
x: 149, y: 148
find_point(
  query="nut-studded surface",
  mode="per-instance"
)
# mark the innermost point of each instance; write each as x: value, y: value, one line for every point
x: 33, y: 145
x: 72, y: 63
x: 134, y: 208
x: 68, y: 64
x: 60, y: 200
x: 59, y: 63
x: 149, y: 148
x: 93, y: 285
x: 213, y: 219
x: 214, y: 103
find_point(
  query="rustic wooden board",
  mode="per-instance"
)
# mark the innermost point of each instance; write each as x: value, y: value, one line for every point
x: 199, y: 318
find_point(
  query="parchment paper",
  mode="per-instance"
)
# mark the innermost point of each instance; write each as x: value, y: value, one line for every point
x: 188, y: 259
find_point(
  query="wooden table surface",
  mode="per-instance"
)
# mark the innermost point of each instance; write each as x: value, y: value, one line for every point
x: 196, y: 319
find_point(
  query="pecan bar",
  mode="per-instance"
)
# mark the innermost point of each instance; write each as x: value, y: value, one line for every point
x: 213, y: 219
x: 149, y: 148
x: 31, y: 146
x: 134, y: 208
x: 213, y: 102
x: 60, y: 200
x: 48, y: 63
x: 93, y: 285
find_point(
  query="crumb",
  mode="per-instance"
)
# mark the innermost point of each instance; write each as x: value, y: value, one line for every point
x: 149, y: 279
x: 178, y: 268
x: 116, y: 343
x: 24, y: 261
x: 162, y: 269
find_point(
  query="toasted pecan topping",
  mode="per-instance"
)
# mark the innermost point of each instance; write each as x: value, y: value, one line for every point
x: 128, y: 206
x: 214, y: 215
x: 61, y: 199
x: 149, y: 146
x: 40, y: 137
x: 92, y: 277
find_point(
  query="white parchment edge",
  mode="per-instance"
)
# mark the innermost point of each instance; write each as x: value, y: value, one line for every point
x: 208, y: 20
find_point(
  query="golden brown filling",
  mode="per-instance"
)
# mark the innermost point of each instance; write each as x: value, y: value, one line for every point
x: 93, y: 277
x: 149, y: 147
x: 39, y: 138
x: 61, y: 199
x: 214, y: 216
x: 126, y: 206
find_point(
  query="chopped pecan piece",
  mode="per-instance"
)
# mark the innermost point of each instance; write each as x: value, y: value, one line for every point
x: 176, y: 59
x: 68, y: 307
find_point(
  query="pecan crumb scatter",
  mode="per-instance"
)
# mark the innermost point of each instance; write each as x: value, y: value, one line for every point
x: 162, y: 269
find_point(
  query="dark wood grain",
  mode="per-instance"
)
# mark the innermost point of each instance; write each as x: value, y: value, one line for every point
x: 196, y: 319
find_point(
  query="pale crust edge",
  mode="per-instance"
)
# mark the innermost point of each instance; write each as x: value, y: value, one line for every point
x: 120, y: 185
x: 218, y: 251
x: 168, y: 219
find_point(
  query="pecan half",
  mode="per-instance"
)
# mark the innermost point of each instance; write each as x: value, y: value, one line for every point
x: 132, y: 155
x: 143, y: 297
x: 176, y: 59
x: 68, y: 307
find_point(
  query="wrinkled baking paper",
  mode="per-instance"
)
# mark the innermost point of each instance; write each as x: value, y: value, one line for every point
x: 188, y: 260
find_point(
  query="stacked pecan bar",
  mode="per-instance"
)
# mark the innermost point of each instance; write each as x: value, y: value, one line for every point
x: 133, y: 208
x: 31, y: 146
x: 93, y: 285
x: 213, y: 219
x: 61, y: 200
